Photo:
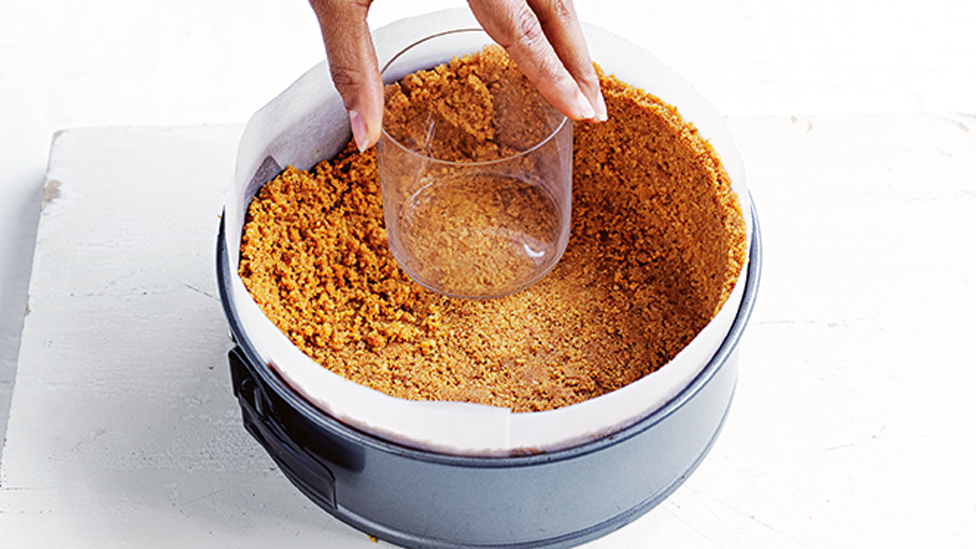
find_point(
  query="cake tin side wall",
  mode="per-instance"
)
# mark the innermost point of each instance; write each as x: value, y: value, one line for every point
x: 422, y: 499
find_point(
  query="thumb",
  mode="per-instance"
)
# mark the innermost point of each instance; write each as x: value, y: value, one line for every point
x: 353, y: 64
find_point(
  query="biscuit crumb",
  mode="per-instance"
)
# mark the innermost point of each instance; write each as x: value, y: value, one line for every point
x: 658, y: 241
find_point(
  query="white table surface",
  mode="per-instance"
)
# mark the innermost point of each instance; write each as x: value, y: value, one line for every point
x: 66, y: 64
x: 852, y: 425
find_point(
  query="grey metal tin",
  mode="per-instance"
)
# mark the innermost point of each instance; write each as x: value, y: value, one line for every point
x: 424, y: 499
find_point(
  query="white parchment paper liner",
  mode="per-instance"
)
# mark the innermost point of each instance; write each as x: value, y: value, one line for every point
x: 307, y: 123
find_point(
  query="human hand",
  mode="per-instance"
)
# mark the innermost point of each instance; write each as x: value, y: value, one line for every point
x: 542, y: 36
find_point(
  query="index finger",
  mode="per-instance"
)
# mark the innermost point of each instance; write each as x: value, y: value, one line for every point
x: 562, y: 28
x: 517, y: 27
x: 353, y: 65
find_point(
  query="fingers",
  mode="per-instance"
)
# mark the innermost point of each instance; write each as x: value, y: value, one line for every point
x: 542, y: 36
x: 562, y: 28
x: 352, y: 62
x: 545, y: 40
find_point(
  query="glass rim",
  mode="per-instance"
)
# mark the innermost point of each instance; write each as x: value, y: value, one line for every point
x: 563, y: 119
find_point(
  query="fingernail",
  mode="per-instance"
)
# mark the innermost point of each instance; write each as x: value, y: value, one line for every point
x: 583, y: 106
x: 601, y: 108
x: 359, y: 132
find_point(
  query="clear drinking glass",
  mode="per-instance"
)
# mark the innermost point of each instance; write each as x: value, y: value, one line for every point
x: 477, y: 229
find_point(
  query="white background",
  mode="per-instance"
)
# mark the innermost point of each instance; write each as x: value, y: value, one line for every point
x: 116, y: 62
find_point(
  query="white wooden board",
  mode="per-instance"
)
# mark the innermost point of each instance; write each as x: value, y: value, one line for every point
x: 853, y: 422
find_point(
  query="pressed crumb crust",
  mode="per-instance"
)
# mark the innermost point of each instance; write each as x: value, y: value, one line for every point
x: 657, y: 243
